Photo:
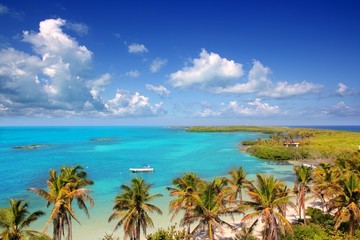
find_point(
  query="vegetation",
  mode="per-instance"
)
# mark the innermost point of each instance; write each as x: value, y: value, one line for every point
x: 16, y: 218
x: 313, y: 143
x: 302, y: 187
x: 168, y: 234
x: 265, y: 130
x: 266, y: 202
x: 132, y: 207
x: 62, y: 190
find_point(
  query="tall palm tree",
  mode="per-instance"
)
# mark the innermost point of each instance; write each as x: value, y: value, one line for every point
x: 132, y: 207
x: 266, y: 201
x: 347, y: 202
x: 210, y: 205
x: 237, y: 181
x: 62, y: 189
x: 76, y: 179
x: 302, y: 187
x: 186, y: 190
x: 325, y: 180
x: 15, y: 218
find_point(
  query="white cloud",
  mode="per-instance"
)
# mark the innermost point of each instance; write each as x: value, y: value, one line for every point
x: 258, y: 79
x: 259, y: 82
x: 342, y: 109
x: 137, y: 48
x: 97, y: 86
x: 284, y: 89
x: 126, y: 104
x: 79, y: 28
x: 342, y: 88
x: 257, y: 107
x: 133, y: 74
x: 157, y: 64
x: 234, y: 108
x: 160, y: 90
x: 207, y: 70
x: 55, y: 81
x: 207, y: 112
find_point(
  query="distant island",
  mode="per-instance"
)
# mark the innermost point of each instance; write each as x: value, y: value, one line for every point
x: 31, y: 146
x: 299, y: 144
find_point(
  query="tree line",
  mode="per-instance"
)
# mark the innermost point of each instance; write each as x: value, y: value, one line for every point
x: 203, y: 205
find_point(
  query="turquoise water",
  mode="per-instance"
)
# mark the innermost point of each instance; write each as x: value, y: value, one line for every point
x: 171, y: 151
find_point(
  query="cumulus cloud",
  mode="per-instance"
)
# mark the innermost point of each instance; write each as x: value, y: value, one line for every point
x: 157, y: 64
x: 97, y: 86
x: 160, y: 90
x: 259, y: 82
x: 55, y: 80
x: 125, y: 104
x: 133, y: 74
x: 207, y: 70
x: 342, y: 88
x: 137, y: 48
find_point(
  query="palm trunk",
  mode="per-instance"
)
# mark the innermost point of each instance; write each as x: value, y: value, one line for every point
x: 352, y: 221
x: 210, y: 231
x: 69, y: 229
x: 137, y: 231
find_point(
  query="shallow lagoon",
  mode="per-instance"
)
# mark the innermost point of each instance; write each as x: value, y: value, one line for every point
x: 171, y: 151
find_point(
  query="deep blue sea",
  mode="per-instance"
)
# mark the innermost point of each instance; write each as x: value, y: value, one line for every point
x: 171, y: 151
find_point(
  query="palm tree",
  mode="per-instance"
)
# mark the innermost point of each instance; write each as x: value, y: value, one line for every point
x: 347, y: 202
x: 186, y: 191
x: 14, y: 220
x: 325, y: 179
x: 265, y: 201
x: 302, y: 187
x: 132, y: 206
x: 62, y: 189
x: 210, y: 205
x: 76, y: 179
x: 237, y: 182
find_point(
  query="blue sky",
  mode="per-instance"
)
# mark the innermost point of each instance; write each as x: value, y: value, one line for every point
x: 179, y: 62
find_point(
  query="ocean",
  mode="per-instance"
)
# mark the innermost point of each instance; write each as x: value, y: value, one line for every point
x: 107, y: 153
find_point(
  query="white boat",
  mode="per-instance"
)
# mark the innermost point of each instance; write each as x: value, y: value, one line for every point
x: 145, y: 168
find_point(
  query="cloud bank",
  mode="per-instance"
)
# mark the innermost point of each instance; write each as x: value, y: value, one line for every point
x: 55, y: 80
x: 215, y: 74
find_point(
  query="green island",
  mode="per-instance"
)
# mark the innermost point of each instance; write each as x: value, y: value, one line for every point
x: 31, y: 146
x: 299, y: 144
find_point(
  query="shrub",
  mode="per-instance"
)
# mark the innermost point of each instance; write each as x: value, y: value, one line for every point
x: 167, y: 234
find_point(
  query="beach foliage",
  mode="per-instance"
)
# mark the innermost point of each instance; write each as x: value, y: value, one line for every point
x: 266, y: 202
x: 63, y: 188
x: 313, y: 143
x: 133, y: 206
x: 15, y: 219
x: 168, y: 234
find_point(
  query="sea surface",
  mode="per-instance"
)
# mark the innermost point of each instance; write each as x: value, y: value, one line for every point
x: 107, y: 153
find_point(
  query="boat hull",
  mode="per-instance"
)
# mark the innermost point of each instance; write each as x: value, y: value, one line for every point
x: 141, y: 170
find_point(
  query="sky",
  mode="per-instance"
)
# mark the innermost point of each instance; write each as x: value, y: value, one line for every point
x: 179, y: 63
